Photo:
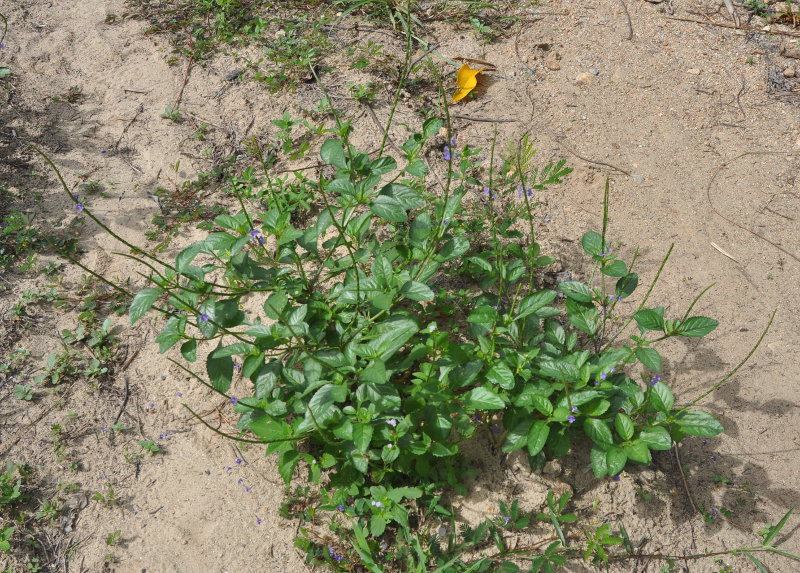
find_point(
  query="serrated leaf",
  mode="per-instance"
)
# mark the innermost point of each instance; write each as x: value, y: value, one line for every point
x: 615, y: 268
x: 624, y: 426
x: 220, y: 371
x: 592, y: 243
x: 537, y: 437
x: 534, y: 302
x: 142, y: 302
x: 626, y: 285
x: 287, y: 462
x: 418, y: 291
x: 698, y: 423
x: 615, y: 460
x: 483, y: 315
x: 697, y: 326
x: 189, y: 350
x: 576, y: 291
x: 598, y: 431
x: 403, y: 195
x: 332, y: 153
x: 517, y: 437
x: 389, y: 208
x: 650, y: 319
x: 483, y: 399
x: 650, y: 358
x: 661, y: 397
x: 501, y: 375
x: 656, y: 438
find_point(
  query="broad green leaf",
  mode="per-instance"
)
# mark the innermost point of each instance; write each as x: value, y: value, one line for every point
x: 615, y: 460
x: 452, y: 249
x: 626, y: 285
x: 418, y: 291
x: 576, y: 291
x: 598, y: 431
x: 583, y: 316
x: 698, y: 423
x: 170, y: 334
x: 697, y: 326
x: 615, y: 268
x: 638, y: 452
x: 189, y: 350
x: 537, y: 437
x: 437, y: 424
x: 220, y: 371
x: 483, y: 315
x: 142, y: 302
x: 287, y: 462
x: 399, y: 493
x: 534, y: 302
x: 650, y: 319
x: 332, y: 153
x: 624, y: 426
x: 592, y: 243
x: 362, y: 436
x: 661, y: 397
x: 382, y: 270
x: 656, y: 438
x: 483, y: 399
x: 377, y: 525
x: 599, y: 463
x: 403, y: 195
x: 501, y: 375
x: 517, y: 437
x: 650, y: 358
x: 389, y: 208
x: 392, y: 334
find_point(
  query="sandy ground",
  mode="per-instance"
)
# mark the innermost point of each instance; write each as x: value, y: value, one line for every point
x: 697, y: 126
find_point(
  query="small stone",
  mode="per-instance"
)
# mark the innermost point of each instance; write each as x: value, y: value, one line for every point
x: 789, y: 73
x: 594, y: 71
x: 639, y: 179
x: 552, y: 65
x: 693, y: 71
x: 552, y: 468
x: 583, y: 79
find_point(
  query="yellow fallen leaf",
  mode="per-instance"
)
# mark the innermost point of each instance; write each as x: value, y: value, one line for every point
x: 466, y: 80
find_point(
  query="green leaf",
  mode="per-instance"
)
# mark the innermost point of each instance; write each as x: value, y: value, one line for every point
x: 615, y: 460
x: 537, y: 437
x: 392, y: 334
x: 417, y: 167
x: 592, y: 243
x: 501, y: 375
x: 615, y: 268
x: 362, y: 436
x: 399, y: 493
x: 650, y: 319
x: 483, y: 315
x: 389, y: 208
x: 576, y: 291
x: 170, y: 334
x: 483, y: 399
x: 698, y: 423
x: 418, y: 291
x: 773, y: 530
x: 452, y: 249
x: 650, y: 358
x: 517, y: 437
x: 377, y: 525
x: 697, y: 326
x: 759, y: 565
x: 534, y: 302
x: 661, y: 397
x: 274, y: 305
x: 599, y: 463
x: 656, y: 438
x: 189, y: 350
x: 403, y: 195
x: 287, y: 462
x: 332, y: 153
x: 626, y: 285
x: 624, y: 426
x: 220, y: 371
x: 638, y: 452
x: 598, y: 431
x: 142, y: 302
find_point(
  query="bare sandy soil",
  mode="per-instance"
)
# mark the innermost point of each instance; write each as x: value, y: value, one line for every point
x: 698, y: 127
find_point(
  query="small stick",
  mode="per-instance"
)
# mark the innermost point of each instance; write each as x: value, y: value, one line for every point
x: 139, y: 110
x: 124, y: 402
x: 561, y: 143
x: 732, y: 12
x: 485, y: 119
x: 721, y: 250
x: 374, y: 117
x: 683, y: 477
x: 136, y: 91
x: 628, y: 16
x: 189, y: 66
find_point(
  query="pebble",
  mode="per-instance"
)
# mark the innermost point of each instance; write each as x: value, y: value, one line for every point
x: 693, y: 71
x: 583, y: 79
x: 594, y: 71
x: 639, y: 179
x: 552, y: 65
x: 789, y: 73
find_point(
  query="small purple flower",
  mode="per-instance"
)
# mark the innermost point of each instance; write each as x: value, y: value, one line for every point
x: 204, y: 317
x: 234, y: 400
x: 615, y: 478
x: 486, y: 191
x: 106, y: 288
x: 713, y: 458
x: 228, y: 468
x: 238, y: 461
x: 446, y: 153
x: 574, y: 409
x: 655, y: 379
x: 2, y: 45
x: 335, y: 556
x: 161, y: 436
x: 571, y: 419
x: 79, y: 207
x: 340, y: 508
x: 704, y: 442
x: 237, y: 366
x: 495, y: 430
x: 151, y: 405
x: 603, y: 375
x: 446, y: 222
x: 506, y: 519
x: 476, y: 419
x: 102, y: 430
x: 377, y: 504
x: 246, y: 489
x: 453, y: 142
x: 258, y: 521
x: 392, y: 422
x: 714, y: 512
x: 240, y: 481
x: 180, y: 394
x: 496, y: 307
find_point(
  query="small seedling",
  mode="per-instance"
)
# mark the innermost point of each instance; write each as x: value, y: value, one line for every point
x: 113, y: 538
x: 23, y: 392
x: 150, y: 446
x: 172, y: 114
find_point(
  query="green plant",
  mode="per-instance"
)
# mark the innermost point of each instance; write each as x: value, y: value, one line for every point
x: 150, y: 446
x: 49, y: 510
x: 6, y: 533
x: 113, y: 538
x: 758, y: 7
x: 173, y: 114
x: 17, y: 237
x: 23, y: 392
x: 109, y: 497
x: 10, y: 485
x: 58, y: 368
x: 485, y: 33
x: 363, y: 93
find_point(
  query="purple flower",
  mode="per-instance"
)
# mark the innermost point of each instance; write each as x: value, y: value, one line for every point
x: 151, y: 405
x: 574, y: 409
x: 238, y: 461
x: 106, y: 288
x: 655, y: 379
x: 240, y: 481
x: 453, y: 142
x: 234, y: 400
x: 446, y: 153
x: 246, y: 489
x: 704, y: 442
x: 180, y: 394
x: 340, y: 507
x: 237, y: 366
x: 335, y: 556
x: 486, y: 191
x: 615, y: 478
x: 713, y: 458
x: 603, y: 375
x: 714, y: 511
x: 2, y: 45
x: 376, y: 504
x: 79, y: 207
x: 228, y: 468
x: 571, y: 419
x: 258, y: 521
x: 506, y: 519
x: 392, y: 422
x: 204, y: 317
